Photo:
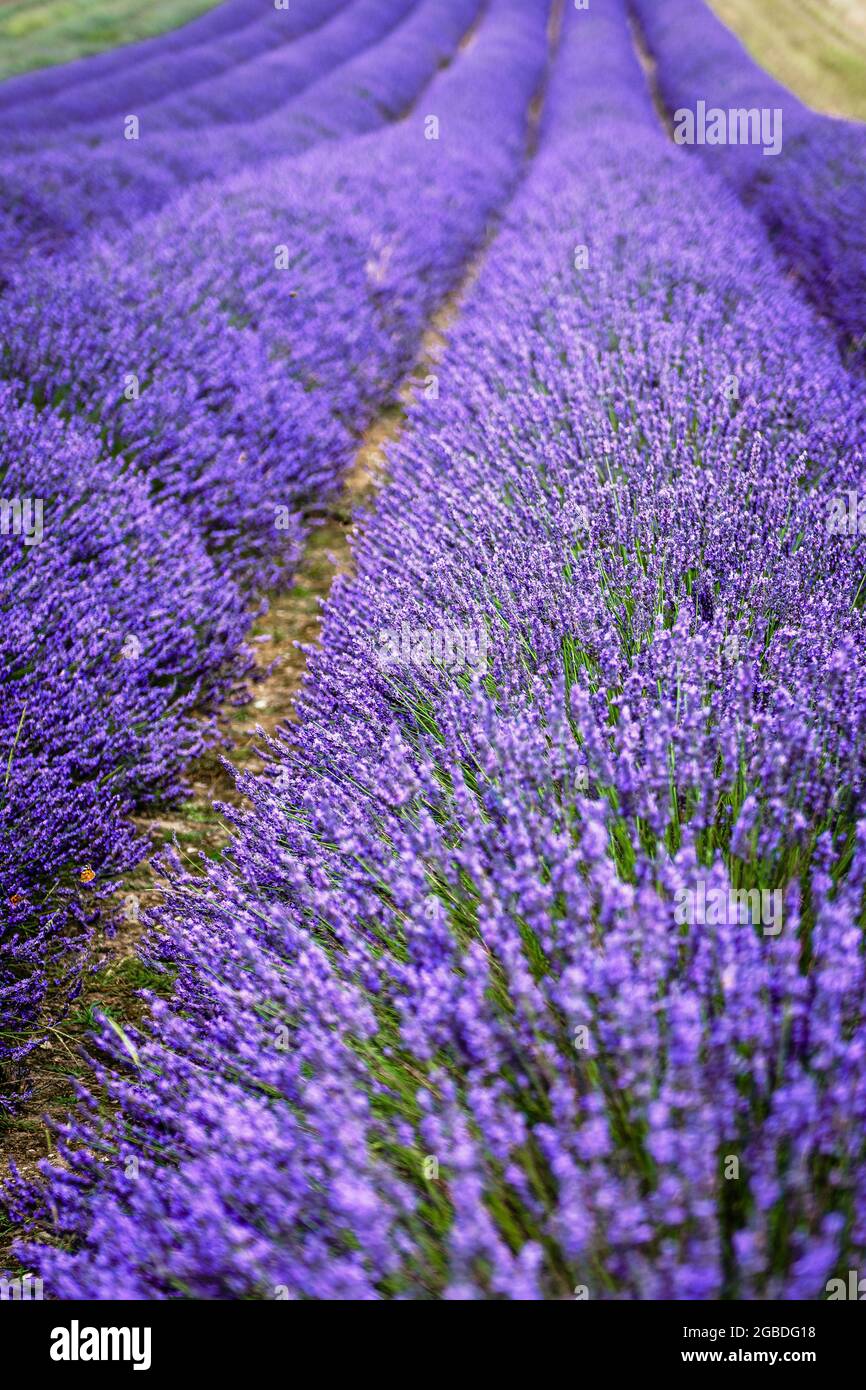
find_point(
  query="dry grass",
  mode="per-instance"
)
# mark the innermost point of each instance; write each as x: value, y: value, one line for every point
x: 817, y: 48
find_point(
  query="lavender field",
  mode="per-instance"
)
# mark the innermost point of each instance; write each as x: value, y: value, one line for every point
x: 433, y: 707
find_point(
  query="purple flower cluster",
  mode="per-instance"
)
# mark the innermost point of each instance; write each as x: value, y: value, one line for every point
x: 176, y: 398
x: 812, y: 195
x: 442, y: 1026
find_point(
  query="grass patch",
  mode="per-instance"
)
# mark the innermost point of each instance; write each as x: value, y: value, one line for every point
x: 43, y: 33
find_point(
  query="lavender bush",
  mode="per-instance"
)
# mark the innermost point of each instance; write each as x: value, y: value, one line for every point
x: 543, y: 976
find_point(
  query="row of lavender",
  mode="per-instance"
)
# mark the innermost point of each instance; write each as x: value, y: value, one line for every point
x: 234, y: 28
x: 196, y: 84
x: 174, y: 401
x: 810, y: 191
x: 323, y: 86
x: 538, y: 970
x: 235, y: 344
